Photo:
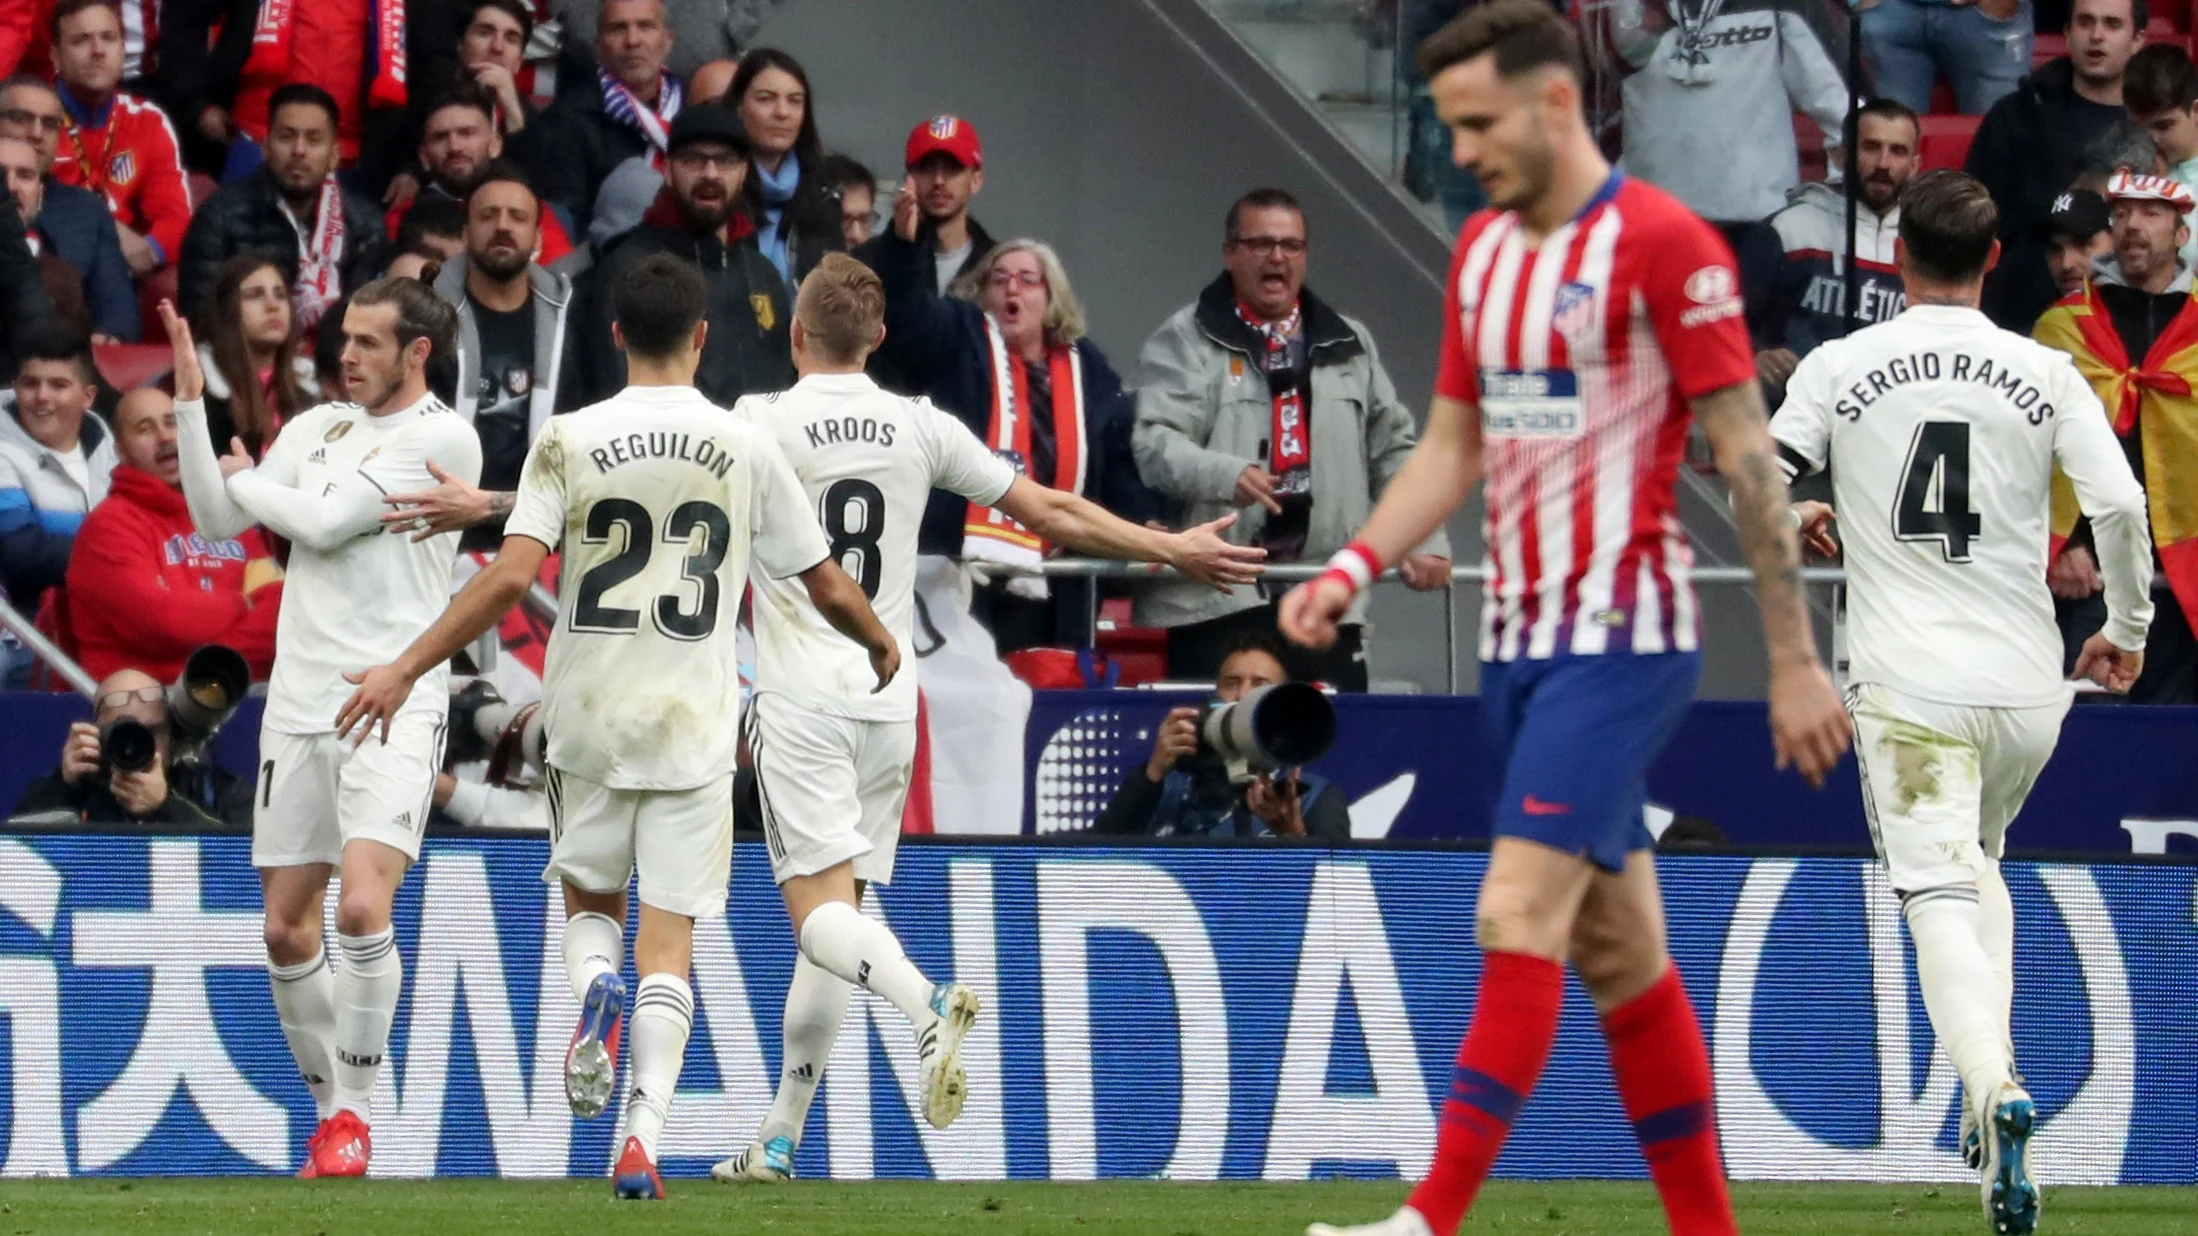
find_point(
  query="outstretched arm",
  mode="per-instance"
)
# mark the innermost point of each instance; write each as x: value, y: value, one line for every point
x: 842, y: 603
x: 1809, y: 728
x: 481, y: 604
x: 1082, y: 524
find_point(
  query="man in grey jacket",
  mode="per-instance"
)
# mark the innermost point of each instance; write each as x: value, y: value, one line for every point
x: 1259, y: 396
x: 511, y: 344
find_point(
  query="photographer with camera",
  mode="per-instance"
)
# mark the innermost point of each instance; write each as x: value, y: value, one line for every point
x: 1234, y: 767
x: 125, y: 767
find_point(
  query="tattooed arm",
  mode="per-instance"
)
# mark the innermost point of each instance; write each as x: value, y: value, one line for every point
x: 451, y: 506
x: 1809, y: 729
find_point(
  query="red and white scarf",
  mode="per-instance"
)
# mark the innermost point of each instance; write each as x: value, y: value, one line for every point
x: 988, y: 535
x: 653, y: 123
x: 320, y: 257
x: 385, y: 47
x: 1290, y: 441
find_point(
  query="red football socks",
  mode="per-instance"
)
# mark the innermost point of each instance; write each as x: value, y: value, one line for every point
x: 1514, y: 1025
x: 1663, y: 1072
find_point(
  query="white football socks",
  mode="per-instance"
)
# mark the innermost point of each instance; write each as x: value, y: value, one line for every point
x: 864, y: 952
x: 816, y: 1004
x: 366, y: 991
x: 593, y: 944
x: 1996, y: 928
x: 663, y: 1015
x: 1960, y: 989
x: 305, y: 1002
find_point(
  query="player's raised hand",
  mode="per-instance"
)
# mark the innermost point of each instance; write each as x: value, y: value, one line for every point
x: 189, y: 378
x: 382, y: 690
x: 452, y: 506
x: 1809, y: 727
x: 1203, y: 555
x: 1814, y: 520
x: 1311, y: 611
x: 2112, y: 667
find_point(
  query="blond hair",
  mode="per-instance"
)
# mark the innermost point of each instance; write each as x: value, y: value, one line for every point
x: 841, y: 307
x: 1064, y: 322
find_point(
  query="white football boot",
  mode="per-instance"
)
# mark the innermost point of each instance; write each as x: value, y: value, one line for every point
x: 939, y: 1048
x: 1406, y: 1222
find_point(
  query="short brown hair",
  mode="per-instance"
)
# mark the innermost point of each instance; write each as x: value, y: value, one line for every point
x: 70, y: 8
x: 1947, y: 225
x: 840, y: 307
x: 421, y: 314
x: 1523, y: 34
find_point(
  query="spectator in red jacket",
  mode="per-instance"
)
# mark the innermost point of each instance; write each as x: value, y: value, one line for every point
x: 330, y: 44
x: 144, y: 588
x: 117, y: 145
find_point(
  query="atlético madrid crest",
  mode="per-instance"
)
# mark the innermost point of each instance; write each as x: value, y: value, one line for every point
x: 121, y: 168
x: 766, y: 313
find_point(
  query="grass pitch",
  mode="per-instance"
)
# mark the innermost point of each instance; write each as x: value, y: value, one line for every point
x: 171, y: 1207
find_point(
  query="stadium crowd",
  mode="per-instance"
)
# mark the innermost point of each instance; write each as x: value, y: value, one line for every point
x: 255, y: 162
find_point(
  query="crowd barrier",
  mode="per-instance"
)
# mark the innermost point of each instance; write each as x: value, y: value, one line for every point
x: 2123, y: 780
x: 1189, y: 1012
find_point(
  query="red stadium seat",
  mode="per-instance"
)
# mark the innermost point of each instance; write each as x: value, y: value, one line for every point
x: 1140, y: 652
x: 1946, y: 140
x: 202, y: 187
x: 1809, y: 144
x: 127, y: 366
x: 1942, y: 99
x: 2176, y: 13
x: 2047, y: 47
x: 151, y: 290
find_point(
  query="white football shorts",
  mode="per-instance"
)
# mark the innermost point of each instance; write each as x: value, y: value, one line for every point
x: 317, y: 793
x: 1941, y: 782
x: 679, y: 841
x: 830, y: 789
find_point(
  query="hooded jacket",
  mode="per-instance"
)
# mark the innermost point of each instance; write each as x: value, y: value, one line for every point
x: 1204, y: 409
x: 2029, y: 148
x: 42, y: 506
x: 1811, y: 290
x: 747, y: 350
x: 145, y: 588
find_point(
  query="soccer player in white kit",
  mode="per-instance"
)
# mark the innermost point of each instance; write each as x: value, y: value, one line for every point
x: 832, y: 758
x: 660, y: 499
x: 1942, y: 433
x: 352, y: 597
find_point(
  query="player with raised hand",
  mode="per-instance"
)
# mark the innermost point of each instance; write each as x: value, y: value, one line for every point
x: 352, y: 597
x: 1586, y: 314
x: 832, y: 758
x: 1942, y: 432
x: 667, y: 500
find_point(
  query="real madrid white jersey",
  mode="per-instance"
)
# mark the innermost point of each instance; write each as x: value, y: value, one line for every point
x: 868, y: 460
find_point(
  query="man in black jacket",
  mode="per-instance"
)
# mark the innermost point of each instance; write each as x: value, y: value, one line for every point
x: 619, y: 112
x: 2031, y: 146
x: 292, y: 210
x: 697, y: 216
x: 23, y: 303
x: 87, y: 789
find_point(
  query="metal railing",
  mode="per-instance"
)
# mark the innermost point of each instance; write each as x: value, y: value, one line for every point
x: 46, y: 650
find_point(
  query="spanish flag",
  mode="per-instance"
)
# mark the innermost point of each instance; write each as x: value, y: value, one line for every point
x: 2158, y: 397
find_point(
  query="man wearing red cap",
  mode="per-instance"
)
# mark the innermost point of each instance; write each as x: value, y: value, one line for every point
x: 2133, y: 332
x: 946, y: 168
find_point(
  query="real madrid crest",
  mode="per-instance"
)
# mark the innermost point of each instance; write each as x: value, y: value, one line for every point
x: 337, y: 430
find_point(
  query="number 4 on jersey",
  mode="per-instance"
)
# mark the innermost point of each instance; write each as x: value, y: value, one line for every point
x: 1933, y: 504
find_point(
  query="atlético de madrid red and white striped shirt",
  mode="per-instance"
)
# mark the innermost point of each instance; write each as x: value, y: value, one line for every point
x: 1581, y: 353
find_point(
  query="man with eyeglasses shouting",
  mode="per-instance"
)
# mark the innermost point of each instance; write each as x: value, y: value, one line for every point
x: 696, y: 216
x: 1258, y: 397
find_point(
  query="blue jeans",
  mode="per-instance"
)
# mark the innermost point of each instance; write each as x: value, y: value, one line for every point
x: 1907, y: 44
